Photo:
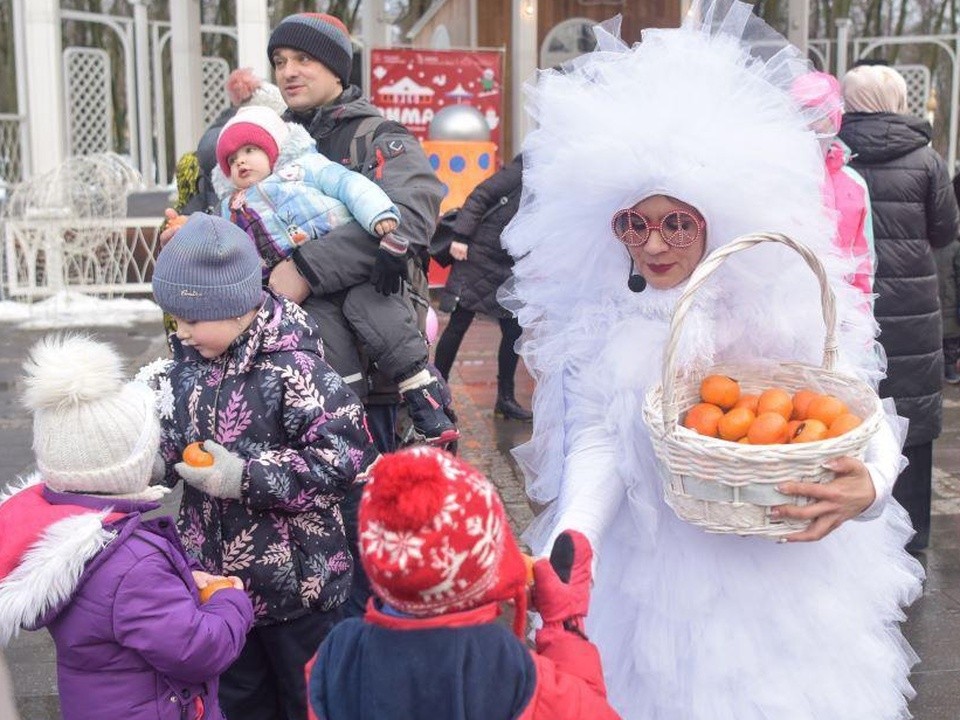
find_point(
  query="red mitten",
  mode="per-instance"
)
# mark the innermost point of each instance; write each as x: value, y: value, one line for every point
x: 561, y: 589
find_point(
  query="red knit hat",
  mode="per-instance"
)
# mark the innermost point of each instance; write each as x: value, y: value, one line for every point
x: 252, y: 125
x: 434, y: 537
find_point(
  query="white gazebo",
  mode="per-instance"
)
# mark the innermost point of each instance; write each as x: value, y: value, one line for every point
x: 40, y: 81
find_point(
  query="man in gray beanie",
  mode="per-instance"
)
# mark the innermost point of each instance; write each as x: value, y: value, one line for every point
x: 309, y: 54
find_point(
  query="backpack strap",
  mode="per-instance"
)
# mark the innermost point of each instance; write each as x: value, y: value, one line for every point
x: 363, y: 137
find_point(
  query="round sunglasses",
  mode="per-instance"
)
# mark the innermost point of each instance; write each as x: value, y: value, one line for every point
x: 679, y: 229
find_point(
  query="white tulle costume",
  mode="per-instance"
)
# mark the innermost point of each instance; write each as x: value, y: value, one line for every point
x: 694, y: 626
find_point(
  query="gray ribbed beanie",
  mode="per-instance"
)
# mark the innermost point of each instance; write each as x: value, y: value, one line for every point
x: 210, y: 270
x: 323, y: 37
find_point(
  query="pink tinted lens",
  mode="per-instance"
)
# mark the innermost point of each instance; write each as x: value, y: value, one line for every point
x: 631, y: 228
x: 680, y: 229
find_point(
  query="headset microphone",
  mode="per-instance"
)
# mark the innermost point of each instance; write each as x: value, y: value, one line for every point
x: 636, y: 282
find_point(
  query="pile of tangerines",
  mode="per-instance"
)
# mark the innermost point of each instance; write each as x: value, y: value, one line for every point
x: 771, y: 417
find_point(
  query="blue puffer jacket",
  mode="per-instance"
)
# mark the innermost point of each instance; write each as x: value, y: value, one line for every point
x: 306, y: 196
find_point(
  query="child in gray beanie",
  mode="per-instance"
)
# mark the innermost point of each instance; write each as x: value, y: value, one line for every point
x: 287, y: 438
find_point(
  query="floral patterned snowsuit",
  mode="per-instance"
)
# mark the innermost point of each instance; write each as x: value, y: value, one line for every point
x: 273, y: 400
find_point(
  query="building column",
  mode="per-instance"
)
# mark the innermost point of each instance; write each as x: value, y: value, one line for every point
x: 41, y: 49
x: 376, y: 33
x: 798, y: 23
x: 525, y: 52
x: 253, y: 32
x: 186, y: 68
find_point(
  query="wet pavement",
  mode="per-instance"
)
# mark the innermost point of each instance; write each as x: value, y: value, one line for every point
x: 932, y: 627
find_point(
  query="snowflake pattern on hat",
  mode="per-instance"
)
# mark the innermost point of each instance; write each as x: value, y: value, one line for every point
x: 434, y: 537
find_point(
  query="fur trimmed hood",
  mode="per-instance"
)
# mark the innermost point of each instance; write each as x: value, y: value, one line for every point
x: 46, y: 548
x: 297, y: 144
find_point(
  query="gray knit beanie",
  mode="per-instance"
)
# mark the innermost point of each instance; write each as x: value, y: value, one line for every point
x: 210, y: 270
x: 323, y: 37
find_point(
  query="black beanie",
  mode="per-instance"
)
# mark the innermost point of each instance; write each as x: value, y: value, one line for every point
x: 321, y: 36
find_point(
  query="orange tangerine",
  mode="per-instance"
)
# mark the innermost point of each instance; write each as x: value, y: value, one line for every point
x: 809, y: 431
x: 528, y: 564
x: 195, y: 455
x: 826, y: 409
x: 735, y: 423
x: 843, y: 423
x: 703, y: 418
x: 770, y: 428
x: 749, y: 402
x: 801, y: 401
x: 720, y: 390
x: 211, y: 587
x: 792, y: 427
x: 775, y: 400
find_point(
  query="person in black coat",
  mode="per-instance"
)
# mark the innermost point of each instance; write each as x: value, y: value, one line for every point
x: 481, y: 267
x: 914, y: 212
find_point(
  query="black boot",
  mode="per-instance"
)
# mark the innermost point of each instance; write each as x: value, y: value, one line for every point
x: 431, y: 423
x: 507, y: 405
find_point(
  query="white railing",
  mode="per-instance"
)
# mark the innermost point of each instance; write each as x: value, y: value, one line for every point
x: 104, y: 257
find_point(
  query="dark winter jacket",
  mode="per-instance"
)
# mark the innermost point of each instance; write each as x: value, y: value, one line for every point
x: 948, y: 273
x: 206, y: 200
x: 914, y: 211
x: 272, y: 400
x: 397, y: 163
x: 459, y: 666
x: 480, y: 222
x: 117, y: 595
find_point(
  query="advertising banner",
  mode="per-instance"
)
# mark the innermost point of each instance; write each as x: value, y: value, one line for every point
x: 410, y: 85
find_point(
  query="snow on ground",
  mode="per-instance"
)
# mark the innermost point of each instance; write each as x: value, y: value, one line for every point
x: 72, y: 309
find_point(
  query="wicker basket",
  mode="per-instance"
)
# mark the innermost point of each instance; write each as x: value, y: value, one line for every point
x: 727, y: 487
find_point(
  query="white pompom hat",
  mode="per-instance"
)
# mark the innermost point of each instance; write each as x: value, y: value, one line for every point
x: 92, y: 432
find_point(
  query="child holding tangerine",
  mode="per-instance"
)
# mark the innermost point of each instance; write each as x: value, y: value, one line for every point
x: 287, y: 438
x: 115, y: 589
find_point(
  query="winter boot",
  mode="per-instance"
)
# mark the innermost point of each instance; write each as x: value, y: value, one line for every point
x: 507, y: 406
x: 431, y: 424
x: 950, y: 373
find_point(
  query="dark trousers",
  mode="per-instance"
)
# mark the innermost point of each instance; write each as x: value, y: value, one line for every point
x: 267, y: 682
x: 356, y: 603
x: 449, y: 344
x: 913, y: 490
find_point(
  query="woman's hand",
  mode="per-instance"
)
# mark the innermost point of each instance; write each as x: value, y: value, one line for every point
x: 458, y: 250
x: 846, y: 496
x: 286, y: 280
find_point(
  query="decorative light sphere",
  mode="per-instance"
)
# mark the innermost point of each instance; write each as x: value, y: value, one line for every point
x: 459, y: 122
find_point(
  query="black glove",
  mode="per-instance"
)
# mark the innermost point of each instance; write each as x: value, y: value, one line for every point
x: 389, y: 271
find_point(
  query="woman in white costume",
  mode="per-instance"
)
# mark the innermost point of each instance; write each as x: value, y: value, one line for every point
x: 694, y: 626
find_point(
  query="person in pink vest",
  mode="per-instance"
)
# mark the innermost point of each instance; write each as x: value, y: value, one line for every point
x: 844, y: 190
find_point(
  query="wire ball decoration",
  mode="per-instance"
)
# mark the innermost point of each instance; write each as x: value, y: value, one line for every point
x: 84, y: 186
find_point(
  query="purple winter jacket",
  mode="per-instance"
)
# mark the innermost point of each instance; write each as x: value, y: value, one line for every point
x: 133, y: 640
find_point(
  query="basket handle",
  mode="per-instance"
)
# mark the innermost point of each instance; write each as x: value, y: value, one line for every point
x: 699, y: 276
